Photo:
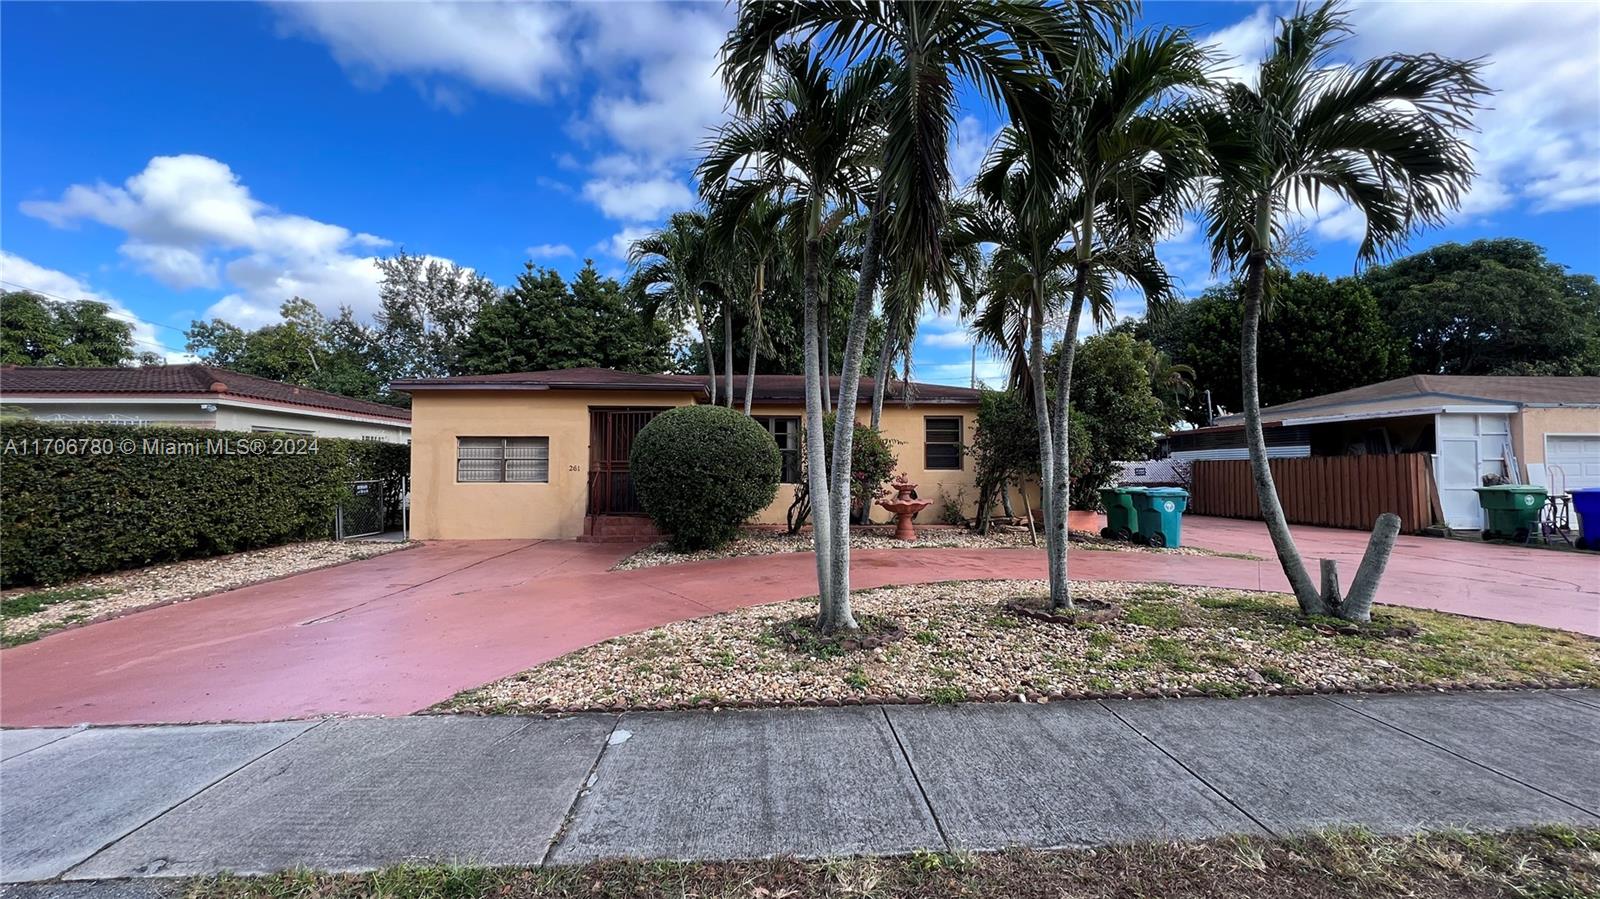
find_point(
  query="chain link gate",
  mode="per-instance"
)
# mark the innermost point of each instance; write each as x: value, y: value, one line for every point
x: 362, y: 513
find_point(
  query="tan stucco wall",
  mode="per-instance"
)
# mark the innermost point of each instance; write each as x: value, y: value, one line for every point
x: 444, y: 509
x: 441, y: 508
x: 906, y: 426
x: 1529, y: 428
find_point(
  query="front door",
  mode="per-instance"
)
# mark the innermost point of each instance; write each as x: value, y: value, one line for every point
x: 611, y: 434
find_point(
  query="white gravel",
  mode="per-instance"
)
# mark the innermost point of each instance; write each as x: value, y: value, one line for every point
x: 177, y: 581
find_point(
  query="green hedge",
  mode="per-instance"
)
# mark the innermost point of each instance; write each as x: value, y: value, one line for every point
x: 82, y: 499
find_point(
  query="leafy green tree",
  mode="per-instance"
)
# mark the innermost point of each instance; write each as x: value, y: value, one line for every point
x: 1318, y: 335
x: 305, y: 348
x: 1121, y: 414
x: 1491, y: 307
x: 426, y: 308
x: 543, y: 323
x: 1384, y: 136
x: 37, y: 331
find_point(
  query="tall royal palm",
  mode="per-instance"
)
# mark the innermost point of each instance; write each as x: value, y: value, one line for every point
x: 1384, y: 136
x: 806, y: 135
x: 673, y: 268
x: 1089, y: 205
x: 1006, y: 49
x: 750, y: 237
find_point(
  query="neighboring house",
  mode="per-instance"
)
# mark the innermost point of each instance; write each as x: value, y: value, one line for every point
x: 196, y: 396
x: 545, y: 454
x: 1533, y: 430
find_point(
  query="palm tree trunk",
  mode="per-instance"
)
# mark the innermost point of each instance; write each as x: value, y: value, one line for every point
x: 845, y: 418
x: 1311, y: 602
x: 755, y: 333
x: 880, y: 378
x: 1061, y: 418
x: 1056, y: 563
x: 727, y: 348
x: 827, y: 354
x: 831, y: 616
x: 705, y: 343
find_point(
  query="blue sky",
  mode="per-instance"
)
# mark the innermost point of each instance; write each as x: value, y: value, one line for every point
x: 196, y: 160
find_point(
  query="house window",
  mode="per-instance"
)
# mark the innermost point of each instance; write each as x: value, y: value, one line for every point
x: 942, y: 443
x: 502, y: 459
x: 785, y: 430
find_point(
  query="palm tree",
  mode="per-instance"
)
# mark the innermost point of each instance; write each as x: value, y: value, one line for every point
x: 1006, y: 48
x: 672, y: 269
x: 748, y: 232
x: 814, y: 133
x: 1385, y: 137
x: 1090, y: 205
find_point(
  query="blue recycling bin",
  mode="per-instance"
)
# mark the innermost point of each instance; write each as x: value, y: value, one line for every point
x: 1586, y: 502
x: 1161, y: 515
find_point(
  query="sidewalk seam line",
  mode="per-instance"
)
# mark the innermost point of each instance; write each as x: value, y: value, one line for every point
x: 184, y: 801
x: 1472, y: 761
x: 1190, y: 771
x: 71, y: 732
x: 917, y: 779
x: 1564, y: 694
x: 572, y: 808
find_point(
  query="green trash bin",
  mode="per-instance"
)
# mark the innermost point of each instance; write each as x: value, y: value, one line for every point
x: 1511, y: 511
x: 1122, y: 521
x: 1161, y: 515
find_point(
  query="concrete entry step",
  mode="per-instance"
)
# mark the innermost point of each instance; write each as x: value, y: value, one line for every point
x: 618, y: 529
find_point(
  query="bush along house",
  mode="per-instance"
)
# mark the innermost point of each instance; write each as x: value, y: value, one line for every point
x: 545, y: 454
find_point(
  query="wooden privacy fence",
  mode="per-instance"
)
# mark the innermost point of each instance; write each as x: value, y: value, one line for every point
x: 1329, y: 491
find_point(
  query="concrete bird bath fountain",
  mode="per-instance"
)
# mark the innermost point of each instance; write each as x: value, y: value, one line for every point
x: 904, y: 504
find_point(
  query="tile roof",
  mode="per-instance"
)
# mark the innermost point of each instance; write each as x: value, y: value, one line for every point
x: 182, y: 380
x: 768, y: 388
x: 1518, y: 389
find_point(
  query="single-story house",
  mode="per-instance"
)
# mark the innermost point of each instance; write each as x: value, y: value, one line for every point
x: 1532, y: 430
x: 545, y: 454
x: 195, y: 396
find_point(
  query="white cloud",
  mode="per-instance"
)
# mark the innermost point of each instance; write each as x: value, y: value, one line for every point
x: 992, y: 372
x: 617, y: 245
x: 549, y: 251
x: 948, y: 339
x: 969, y: 144
x: 646, y: 199
x: 514, y: 48
x: 22, y: 274
x: 191, y: 223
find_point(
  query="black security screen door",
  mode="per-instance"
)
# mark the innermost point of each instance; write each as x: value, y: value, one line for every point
x: 611, y: 433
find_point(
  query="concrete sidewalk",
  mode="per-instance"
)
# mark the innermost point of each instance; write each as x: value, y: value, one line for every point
x: 350, y: 794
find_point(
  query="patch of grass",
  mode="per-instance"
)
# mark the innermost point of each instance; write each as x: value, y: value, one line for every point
x: 1159, y: 614
x: 24, y: 604
x: 947, y: 695
x: 926, y: 638
x: 857, y: 679
x: 1552, y: 863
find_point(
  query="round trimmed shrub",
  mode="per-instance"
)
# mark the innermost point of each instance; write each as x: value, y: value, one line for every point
x: 701, y: 471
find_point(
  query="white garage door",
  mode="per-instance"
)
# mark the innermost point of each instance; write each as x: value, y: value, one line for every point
x: 1577, y: 455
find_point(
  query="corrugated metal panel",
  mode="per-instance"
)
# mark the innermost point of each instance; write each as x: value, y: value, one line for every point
x: 1273, y: 452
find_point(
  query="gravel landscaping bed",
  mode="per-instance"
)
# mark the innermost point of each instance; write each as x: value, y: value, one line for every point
x: 29, y: 614
x: 1000, y: 537
x: 961, y: 644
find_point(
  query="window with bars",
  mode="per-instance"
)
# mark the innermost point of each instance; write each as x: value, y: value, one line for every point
x: 785, y: 430
x: 482, y: 460
x: 942, y: 443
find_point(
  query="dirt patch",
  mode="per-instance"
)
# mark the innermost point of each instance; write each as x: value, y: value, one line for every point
x: 962, y: 644
x: 30, y: 614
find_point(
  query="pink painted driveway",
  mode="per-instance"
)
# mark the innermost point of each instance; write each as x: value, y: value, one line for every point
x: 399, y: 632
